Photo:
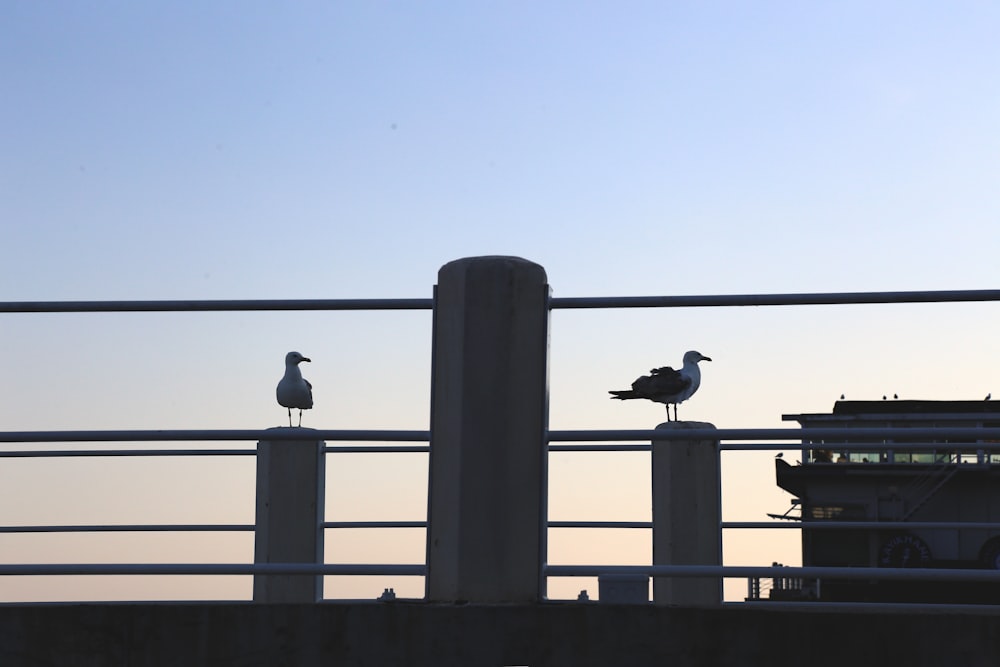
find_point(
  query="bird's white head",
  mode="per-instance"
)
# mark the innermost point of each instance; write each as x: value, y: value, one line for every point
x: 693, y: 357
x: 295, y: 358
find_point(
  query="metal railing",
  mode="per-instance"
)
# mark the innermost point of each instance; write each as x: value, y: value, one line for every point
x: 205, y: 435
x: 585, y: 441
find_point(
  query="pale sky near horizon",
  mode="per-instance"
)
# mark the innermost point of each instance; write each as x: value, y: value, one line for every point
x: 344, y: 150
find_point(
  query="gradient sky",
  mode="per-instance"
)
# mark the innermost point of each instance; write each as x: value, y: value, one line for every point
x: 343, y: 150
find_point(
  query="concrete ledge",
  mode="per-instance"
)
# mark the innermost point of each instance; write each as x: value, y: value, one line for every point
x: 147, y: 635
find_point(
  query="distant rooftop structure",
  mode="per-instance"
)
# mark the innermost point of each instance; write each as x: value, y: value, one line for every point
x: 906, y: 409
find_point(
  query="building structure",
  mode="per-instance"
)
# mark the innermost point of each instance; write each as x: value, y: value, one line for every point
x: 928, y: 483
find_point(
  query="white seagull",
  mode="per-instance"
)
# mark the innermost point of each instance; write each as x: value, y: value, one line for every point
x: 665, y: 385
x: 294, y: 391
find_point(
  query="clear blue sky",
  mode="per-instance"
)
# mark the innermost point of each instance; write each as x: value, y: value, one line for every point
x: 322, y: 150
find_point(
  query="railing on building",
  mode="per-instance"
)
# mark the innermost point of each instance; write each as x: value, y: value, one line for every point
x: 584, y: 441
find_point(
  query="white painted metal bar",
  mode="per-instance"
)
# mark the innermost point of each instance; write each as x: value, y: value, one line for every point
x: 59, y: 453
x: 212, y: 435
x: 213, y: 305
x: 48, y: 569
x: 132, y: 528
x: 683, y: 301
x: 803, y: 299
x: 745, y: 571
x: 604, y: 447
x: 831, y: 435
x: 377, y: 449
x: 373, y: 524
x: 796, y: 524
x: 601, y: 524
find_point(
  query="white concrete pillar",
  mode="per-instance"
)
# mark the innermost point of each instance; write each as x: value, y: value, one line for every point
x: 686, y: 514
x: 489, y: 416
x: 290, y: 485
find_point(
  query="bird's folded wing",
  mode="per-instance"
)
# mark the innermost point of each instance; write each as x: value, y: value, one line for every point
x: 661, y: 382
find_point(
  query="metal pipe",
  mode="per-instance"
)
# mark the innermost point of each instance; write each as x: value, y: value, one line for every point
x: 805, y: 299
x: 212, y: 305
x: 395, y: 449
x: 796, y: 524
x: 600, y: 524
x: 55, y: 453
x: 744, y: 571
x: 833, y: 436
x: 214, y: 435
x: 9, y: 569
x: 682, y: 301
x: 180, y: 528
x: 373, y: 524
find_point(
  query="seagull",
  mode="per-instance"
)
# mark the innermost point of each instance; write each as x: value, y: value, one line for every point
x: 988, y: 396
x: 294, y: 391
x: 665, y: 385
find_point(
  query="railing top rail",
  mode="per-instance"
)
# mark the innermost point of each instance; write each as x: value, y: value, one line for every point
x: 803, y: 299
x: 282, y: 433
x: 681, y: 301
x: 746, y: 571
x: 963, y: 436
x: 970, y: 434
x: 218, y: 305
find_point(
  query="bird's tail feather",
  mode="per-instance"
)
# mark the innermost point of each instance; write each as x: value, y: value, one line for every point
x: 623, y: 394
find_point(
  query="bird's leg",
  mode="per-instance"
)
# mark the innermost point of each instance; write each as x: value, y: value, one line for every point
x: 675, y: 412
x: 300, y: 418
x: 289, y: 417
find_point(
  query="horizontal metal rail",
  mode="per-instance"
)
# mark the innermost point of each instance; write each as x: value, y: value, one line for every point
x: 215, y: 569
x: 748, y: 571
x: 969, y: 436
x: 133, y: 528
x: 797, y: 524
x: 373, y: 524
x: 69, y: 453
x: 220, y: 305
x: 603, y: 447
x: 803, y: 299
x: 600, y: 524
x: 57, y: 453
x: 683, y: 301
x: 282, y: 433
x: 377, y: 449
x: 968, y: 448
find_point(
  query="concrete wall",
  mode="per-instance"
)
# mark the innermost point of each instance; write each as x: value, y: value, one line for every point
x: 575, y: 635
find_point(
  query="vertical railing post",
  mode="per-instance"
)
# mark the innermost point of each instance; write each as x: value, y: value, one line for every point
x: 489, y: 416
x: 290, y: 496
x: 686, y: 501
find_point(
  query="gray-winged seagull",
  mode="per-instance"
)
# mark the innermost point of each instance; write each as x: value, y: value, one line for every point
x: 665, y: 385
x: 294, y: 391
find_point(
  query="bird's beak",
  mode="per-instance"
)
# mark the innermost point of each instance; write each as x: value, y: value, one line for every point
x: 706, y: 358
x: 306, y: 359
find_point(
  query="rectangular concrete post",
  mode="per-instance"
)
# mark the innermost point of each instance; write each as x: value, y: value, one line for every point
x: 489, y: 416
x: 290, y: 485
x: 686, y: 514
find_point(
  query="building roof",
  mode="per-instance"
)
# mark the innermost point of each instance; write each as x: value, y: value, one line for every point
x: 901, y: 410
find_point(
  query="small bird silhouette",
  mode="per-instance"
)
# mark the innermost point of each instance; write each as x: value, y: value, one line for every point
x: 988, y: 396
x: 665, y: 385
x: 294, y: 391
